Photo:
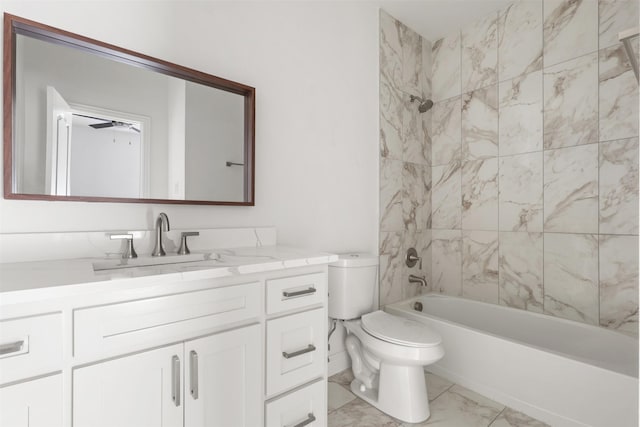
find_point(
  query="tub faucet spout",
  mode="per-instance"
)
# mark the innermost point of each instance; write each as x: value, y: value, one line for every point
x: 417, y: 279
x: 161, y: 222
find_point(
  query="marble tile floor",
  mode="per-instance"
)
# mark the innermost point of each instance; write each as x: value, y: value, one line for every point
x: 451, y: 406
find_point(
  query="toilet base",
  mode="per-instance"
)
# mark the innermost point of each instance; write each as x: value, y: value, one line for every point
x: 401, y: 393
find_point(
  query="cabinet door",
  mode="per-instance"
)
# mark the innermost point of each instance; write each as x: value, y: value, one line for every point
x: 223, y: 379
x: 36, y: 403
x: 144, y: 389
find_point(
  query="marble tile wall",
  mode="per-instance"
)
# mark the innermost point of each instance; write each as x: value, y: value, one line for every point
x: 405, y: 158
x: 534, y: 162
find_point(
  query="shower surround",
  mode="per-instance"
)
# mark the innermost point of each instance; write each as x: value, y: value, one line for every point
x: 534, y: 165
x: 405, y: 158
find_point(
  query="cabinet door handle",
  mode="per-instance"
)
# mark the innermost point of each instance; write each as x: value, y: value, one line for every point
x: 193, y: 374
x: 309, y: 348
x: 308, y: 291
x: 12, y: 347
x: 175, y: 380
x: 310, y: 418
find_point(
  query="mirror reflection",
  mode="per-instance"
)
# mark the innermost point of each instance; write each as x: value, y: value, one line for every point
x: 88, y: 126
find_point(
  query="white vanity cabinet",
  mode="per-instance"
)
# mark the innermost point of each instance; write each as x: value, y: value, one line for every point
x: 295, y: 352
x: 34, y: 403
x: 30, y: 365
x: 130, y: 391
x: 241, y: 347
x: 205, y: 382
x: 30, y: 346
x: 296, y: 358
x: 223, y: 374
x: 304, y: 407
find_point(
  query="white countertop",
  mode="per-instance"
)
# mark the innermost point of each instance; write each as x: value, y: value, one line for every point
x: 23, y: 281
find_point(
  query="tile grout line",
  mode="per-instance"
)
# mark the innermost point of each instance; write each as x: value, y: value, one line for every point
x: 497, y: 416
x: 539, y: 232
x: 461, y: 200
x: 555, y: 148
x: 521, y: 75
x: 441, y: 393
x: 542, y: 105
x: 498, y: 148
x: 344, y: 404
x: 598, y: 316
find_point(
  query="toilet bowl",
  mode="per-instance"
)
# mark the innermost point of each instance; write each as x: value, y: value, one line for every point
x: 388, y: 353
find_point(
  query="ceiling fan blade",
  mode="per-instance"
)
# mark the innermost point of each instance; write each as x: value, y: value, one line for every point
x: 102, y: 125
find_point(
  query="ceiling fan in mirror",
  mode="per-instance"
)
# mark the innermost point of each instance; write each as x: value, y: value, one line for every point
x: 106, y: 123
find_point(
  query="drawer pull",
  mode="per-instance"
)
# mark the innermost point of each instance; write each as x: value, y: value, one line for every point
x: 308, y: 291
x: 193, y: 373
x: 12, y: 347
x: 310, y: 418
x: 175, y: 380
x: 309, y: 349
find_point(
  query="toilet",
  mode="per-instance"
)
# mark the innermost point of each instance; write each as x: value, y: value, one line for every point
x: 388, y: 353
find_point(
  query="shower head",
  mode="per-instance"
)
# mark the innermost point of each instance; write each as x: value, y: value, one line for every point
x: 425, y: 104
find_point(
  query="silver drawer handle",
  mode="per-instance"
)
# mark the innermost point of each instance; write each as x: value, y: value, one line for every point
x: 310, y: 418
x: 288, y: 294
x: 175, y: 380
x: 309, y: 349
x: 12, y: 347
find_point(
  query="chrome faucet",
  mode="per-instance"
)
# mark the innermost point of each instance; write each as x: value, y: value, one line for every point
x: 161, y: 222
x: 417, y: 279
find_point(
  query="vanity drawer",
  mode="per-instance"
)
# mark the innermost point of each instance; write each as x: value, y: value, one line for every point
x: 134, y: 325
x: 306, y: 404
x: 296, y: 350
x: 30, y: 346
x: 288, y: 293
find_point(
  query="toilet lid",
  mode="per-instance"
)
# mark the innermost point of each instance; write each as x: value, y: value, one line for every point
x: 398, y: 330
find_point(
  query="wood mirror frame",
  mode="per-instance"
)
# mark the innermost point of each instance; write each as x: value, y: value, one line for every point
x: 14, y: 25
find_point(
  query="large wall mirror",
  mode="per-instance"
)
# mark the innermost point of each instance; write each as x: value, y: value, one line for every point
x: 88, y: 121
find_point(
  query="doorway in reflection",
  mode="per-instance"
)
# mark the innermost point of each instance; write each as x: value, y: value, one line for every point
x: 92, y: 151
x: 106, y: 157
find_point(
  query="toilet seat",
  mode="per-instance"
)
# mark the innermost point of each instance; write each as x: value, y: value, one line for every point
x: 400, y: 331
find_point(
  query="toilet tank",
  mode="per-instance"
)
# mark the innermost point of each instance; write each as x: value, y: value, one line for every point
x: 353, y: 285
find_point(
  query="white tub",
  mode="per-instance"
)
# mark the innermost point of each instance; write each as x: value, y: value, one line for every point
x: 562, y: 372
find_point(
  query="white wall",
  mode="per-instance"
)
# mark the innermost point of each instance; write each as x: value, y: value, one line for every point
x: 315, y: 69
x: 176, y: 135
x: 215, y: 131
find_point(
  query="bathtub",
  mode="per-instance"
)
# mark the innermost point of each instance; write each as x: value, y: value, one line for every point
x: 561, y: 372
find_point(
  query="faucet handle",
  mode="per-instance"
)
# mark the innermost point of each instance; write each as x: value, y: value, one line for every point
x: 184, y: 249
x: 412, y: 258
x: 129, y: 252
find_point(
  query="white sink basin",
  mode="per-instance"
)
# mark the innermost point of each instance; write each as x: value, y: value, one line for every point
x: 148, y: 261
x: 224, y: 258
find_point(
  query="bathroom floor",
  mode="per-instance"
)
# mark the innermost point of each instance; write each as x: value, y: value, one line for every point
x: 451, y: 406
